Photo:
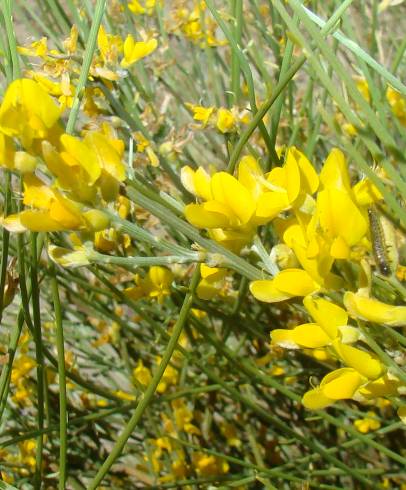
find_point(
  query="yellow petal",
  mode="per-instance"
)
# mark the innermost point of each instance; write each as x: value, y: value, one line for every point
x: 402, y: 413
x: 39, y: 221
x: 134, y: 51
x: 316, y: 400
x: 309, y: 180
x: 13, y: 223
x: 339, y: 216
x: 370, y: 309
x: 109, y: 159
x: 334, y: 174
x: 326, y: 314
x: 68, y: 258
x: 36, y: 193
x: 96, y: 220
x: 310, y: 335
x: 24, y: 162
x: 228, y: 191
x: 295, y: 282
x: 359, y: 360
x: 207, y: 215
x: 225, y: 120
x: 339, y: 249
x: 26, y: 102
x: 292, y: 176
x: 383, y: 386
x: 202, y: 184
x: 284, y: 338
x: 266, y: 291
x: 270, y: 204
x: 250, y: 174
x: 83, y: 156
x: 341, y: 383
x: 366, y: 193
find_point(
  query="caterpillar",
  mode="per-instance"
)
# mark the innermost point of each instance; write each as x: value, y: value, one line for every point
x: 378, y: 242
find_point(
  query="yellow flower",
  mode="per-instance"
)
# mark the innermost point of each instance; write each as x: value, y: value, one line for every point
x: 340, y: 384
x: 37, y: 48
x: 51, y: 211
x: 200, y: 113
x: 287, y: 284
x: 367, y: 424
x: 209, y: 465
x: 398, y: 104
x: 110, y: 46
x: 373, y: 310
x: 155, y: 285
x: 341, y: 221
x: 330, y: 325
x: 134, y: 51
x: 142, y: 374
x: 6, y: 151
x: 212, y: 282
x: 226, y: 120
x: 27, y: 112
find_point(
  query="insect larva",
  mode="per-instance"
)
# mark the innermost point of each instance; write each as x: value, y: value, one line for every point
x: 378, y: 242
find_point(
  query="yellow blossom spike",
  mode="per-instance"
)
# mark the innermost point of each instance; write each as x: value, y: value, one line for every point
x: 373, y: 310
x: 134, y: 51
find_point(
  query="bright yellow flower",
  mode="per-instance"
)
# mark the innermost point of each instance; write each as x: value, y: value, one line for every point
x: 398, y: 104
x: 211, y: 283
x: 367, y: 424
x: 226, y: 121
x: 155, y: 285
x: 287, y: 284
x: 340, y: 384
x: 110, y: 46
x: 134, y: 51
x: 142, y: 374
x: 27, y: 112
x: 200, y: 113
x: 373, y: 310
x: 37, y: 48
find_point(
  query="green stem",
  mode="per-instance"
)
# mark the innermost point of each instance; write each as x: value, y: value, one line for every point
x: 150, y: 391
x: 63, y: 415
x: 87, y: 61
x: 12, y: 43
x: 39, y: 356
x: 5, y: 244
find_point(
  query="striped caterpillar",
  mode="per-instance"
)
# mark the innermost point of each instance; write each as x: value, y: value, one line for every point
x: 378, y: 242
